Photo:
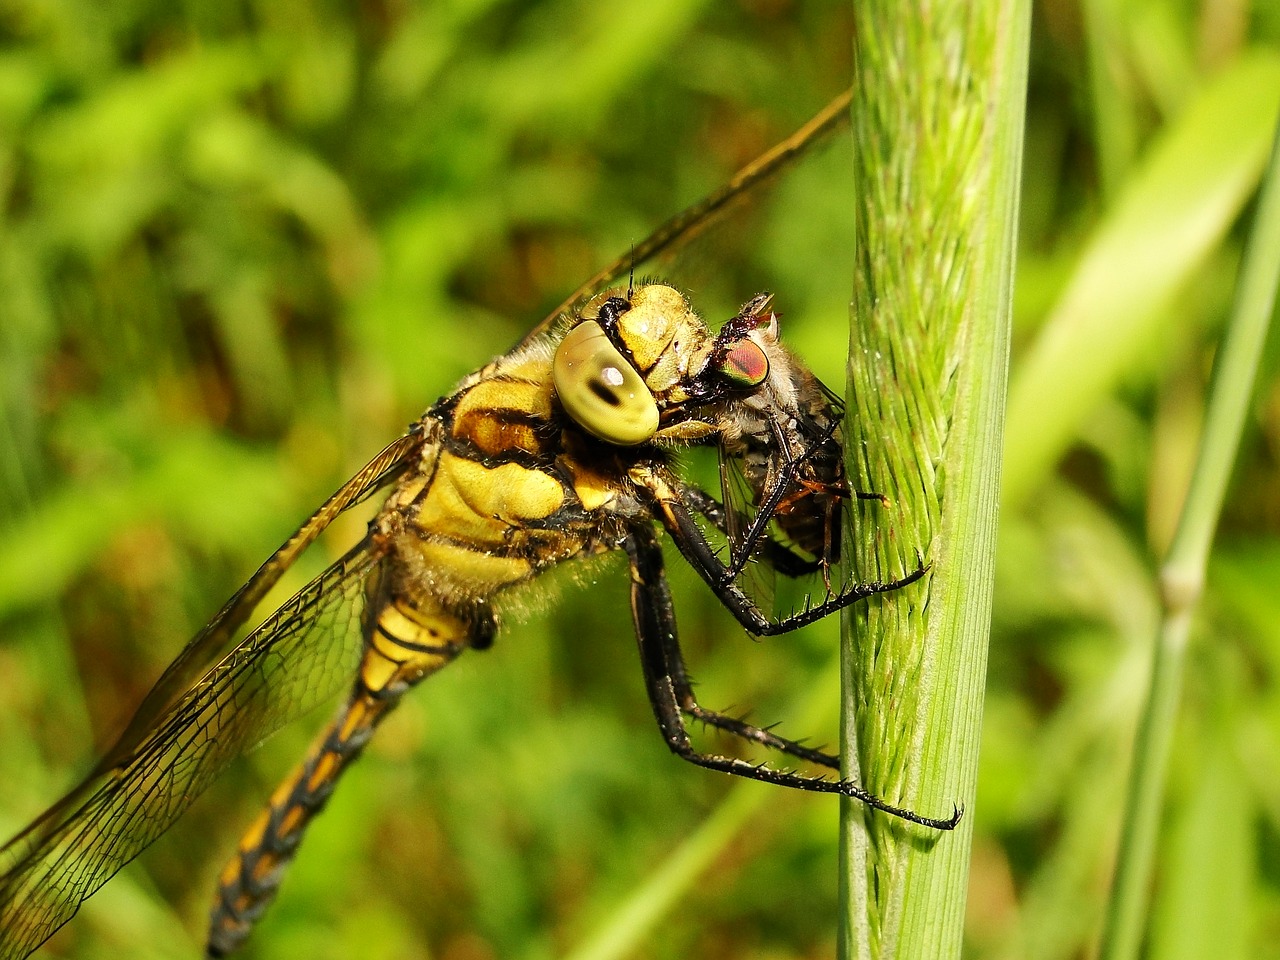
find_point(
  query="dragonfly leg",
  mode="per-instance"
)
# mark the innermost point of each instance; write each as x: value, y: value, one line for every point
x: 694, y: 547
x: 682, y: 688
x: 403, y: 646
x: 782, y: 558
x: 664, y: 675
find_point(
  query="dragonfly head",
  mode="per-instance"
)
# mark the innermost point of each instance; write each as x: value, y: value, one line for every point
x: 627, y: 370
x: 641, y: 366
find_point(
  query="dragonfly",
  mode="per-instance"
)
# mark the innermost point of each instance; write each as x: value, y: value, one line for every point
x: 568, y: 446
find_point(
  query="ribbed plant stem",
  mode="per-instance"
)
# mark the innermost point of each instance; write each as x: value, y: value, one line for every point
x: 939, y: 91
x: 1182, y: 574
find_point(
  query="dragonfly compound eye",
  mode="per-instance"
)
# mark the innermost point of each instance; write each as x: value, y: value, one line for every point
x: 600, y: 390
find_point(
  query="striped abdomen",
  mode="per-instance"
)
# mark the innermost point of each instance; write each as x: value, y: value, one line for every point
x: 403, y: 645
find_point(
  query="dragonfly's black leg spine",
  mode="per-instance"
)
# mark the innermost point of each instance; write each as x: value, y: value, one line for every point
x: 655, y: 626
x: 695, y: 548
x: 786, y: 561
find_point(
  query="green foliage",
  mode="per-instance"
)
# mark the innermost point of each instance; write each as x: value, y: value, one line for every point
x: 242, y: 244
x: 1182, y: 570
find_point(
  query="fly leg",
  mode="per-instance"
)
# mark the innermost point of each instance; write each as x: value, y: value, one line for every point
x: 668, y: 685
x: 403, y: 646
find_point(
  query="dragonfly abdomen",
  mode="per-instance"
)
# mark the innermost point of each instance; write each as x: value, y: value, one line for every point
x: 405, y: 643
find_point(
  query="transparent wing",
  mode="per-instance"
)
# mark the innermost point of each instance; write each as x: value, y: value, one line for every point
x: 212, y: 643
x: 691, y: 221
x: 217, y: 699
x: 756, y: 578
x: 289, y: 664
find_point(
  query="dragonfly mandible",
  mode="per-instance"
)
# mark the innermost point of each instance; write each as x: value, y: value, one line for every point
x: 563, y: 448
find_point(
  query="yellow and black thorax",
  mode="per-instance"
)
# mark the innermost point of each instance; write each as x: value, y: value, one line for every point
x: 551, y: 451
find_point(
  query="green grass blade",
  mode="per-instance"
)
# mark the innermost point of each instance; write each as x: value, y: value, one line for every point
x: 626, y: 926
x: 938, y: 119
x: 1169, y: 216
x: 1182, y: 575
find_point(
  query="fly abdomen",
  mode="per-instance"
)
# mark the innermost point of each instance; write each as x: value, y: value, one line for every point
x: 809, y: 513
x: 812, y: 522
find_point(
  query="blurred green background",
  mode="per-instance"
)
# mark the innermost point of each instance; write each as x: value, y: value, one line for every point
x: 243, y: 244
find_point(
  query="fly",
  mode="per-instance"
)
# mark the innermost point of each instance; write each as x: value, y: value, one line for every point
x: 563, y: 448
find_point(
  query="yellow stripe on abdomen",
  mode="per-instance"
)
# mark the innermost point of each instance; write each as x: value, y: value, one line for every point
x: 406, y: 642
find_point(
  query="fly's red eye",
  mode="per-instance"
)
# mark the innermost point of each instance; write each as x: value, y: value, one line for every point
x: 745, y: 364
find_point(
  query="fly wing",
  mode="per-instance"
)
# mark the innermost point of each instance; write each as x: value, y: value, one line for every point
x: 289, y: 664
x: 756, y: 575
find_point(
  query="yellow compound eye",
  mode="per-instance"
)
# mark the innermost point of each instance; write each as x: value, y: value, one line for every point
x: 600, y: 390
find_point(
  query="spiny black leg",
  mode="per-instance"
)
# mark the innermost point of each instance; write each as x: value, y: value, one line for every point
x: 749, y: 731
x: 682, y: 687
x: 694, y: 547
x: 655, y: 625
x: 779, y: 556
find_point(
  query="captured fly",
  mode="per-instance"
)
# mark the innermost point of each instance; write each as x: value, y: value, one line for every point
x: 563, y: 448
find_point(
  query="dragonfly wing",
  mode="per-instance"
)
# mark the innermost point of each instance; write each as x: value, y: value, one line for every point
x: 691, y: 221
x: 213, y: 642
x: 295, y: 659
